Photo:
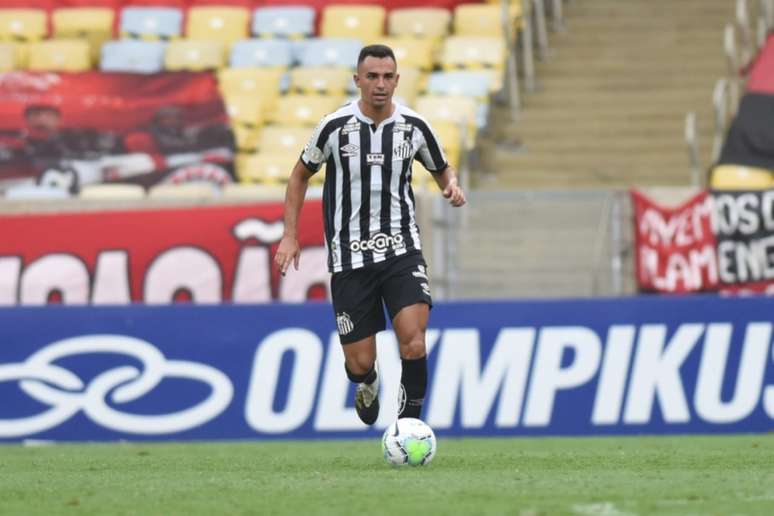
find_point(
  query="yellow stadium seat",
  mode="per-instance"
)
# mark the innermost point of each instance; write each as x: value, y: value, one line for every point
x: 304, y: 110
x: 447, y: 108
x: 22, y: 24
x: 247, y: 115
x: 409, y: 85
x: 263, y: 83
x: 738, y: 177
x: 266, y: 167
x: 364, y: 22
x: 60, y: 55
x: 194, y: 55
x: 221, y: 23
x: 318, y: 79
x: 461, y: 111
x: 482, y: 19
x: 423, y: 22
x: 450, y: 135
x: 284, y: 139
x: 473, y: 52
x: 93, y: 24
x: 412, y: 52
x: 8, y: 57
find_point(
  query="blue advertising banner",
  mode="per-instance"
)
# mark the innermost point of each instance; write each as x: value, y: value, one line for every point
x: 625, y: 366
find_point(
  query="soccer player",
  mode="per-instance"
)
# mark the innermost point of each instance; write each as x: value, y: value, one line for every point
x: 374, y: 252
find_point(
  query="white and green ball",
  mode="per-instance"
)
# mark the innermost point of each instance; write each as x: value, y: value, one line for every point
x: 408, y: 441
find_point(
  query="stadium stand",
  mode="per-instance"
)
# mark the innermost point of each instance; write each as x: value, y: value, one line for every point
x: 194, y: 55
x: 365, y: 22
x: 60, y: 55
x: 23, y: 25
x: 261, y: 52
x: 420, y: 22
x: 738, y: 177
x: 297, y: 68
x: 151, y: 22
x: 225, y: 24
x: 135, y: 56
x: 184, y: 191
x: 92, y: 24
x: 112, y: 191
x: 8, y: 59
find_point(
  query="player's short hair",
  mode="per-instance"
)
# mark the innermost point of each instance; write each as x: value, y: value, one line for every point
x: 379, y: 51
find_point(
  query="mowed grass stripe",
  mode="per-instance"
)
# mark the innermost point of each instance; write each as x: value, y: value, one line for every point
x: 522, y: 476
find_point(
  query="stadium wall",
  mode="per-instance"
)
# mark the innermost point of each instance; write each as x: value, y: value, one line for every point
x: 648, y: 365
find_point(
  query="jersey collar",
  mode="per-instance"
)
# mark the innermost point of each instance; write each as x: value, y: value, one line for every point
x: 359, y: 114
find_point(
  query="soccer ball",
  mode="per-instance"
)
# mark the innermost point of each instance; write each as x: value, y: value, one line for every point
x: 408, y: 441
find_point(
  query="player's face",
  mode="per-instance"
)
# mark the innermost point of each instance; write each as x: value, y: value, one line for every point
x: 377, y: 78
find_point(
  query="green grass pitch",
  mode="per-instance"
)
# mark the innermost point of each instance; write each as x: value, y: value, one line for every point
x: 690, y: 475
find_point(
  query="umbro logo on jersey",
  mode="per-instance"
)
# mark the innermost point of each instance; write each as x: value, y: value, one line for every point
x: 350, y: 127
x: 402, y: 128
x: 402, y: 151
x: 350, y: 150
x: 375, y: 159
x: 344, y: 323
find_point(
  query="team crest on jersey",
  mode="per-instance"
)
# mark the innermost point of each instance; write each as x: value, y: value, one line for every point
x: 315, y: 154
x: 350, y: 128
x: 344, y: 323
x: 403, y: 150
x: 402, y: 128
x: 375, y: 159
x: 350, y: 150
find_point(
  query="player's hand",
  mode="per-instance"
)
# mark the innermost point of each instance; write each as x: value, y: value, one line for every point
x: 288, y: 251
x: 454, y: 193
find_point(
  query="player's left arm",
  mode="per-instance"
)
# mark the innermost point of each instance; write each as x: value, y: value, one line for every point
x: 449, y: 185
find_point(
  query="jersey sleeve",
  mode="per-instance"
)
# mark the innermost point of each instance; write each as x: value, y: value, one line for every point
x: 317, y: 149
x: 430, y: 152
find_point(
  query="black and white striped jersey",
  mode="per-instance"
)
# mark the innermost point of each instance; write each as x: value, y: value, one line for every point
x: 368, y: 203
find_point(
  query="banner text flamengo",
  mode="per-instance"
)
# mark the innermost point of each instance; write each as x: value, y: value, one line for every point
x: 715, y: 241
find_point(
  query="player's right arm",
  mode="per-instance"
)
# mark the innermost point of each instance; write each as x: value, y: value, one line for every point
x: 314, y: 155
x: 289, y: 249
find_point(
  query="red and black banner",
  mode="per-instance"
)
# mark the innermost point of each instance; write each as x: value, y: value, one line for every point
x: 199, y: 254
x: 72, y: 129
x: 714, y: 242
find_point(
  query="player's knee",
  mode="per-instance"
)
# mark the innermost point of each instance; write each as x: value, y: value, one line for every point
x: 360, y: 363
x: 414, y: 347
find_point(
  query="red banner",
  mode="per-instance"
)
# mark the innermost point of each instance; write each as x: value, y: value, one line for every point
x: 71, y: 129
x: 201, y: 254
x: 675, y: 246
